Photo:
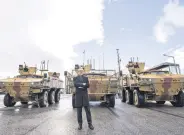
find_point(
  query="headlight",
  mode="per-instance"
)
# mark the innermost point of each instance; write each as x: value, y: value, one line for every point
x: 36, y: 83
x: 1, y: 83
x: 146, y: 79
x: 149, y: 80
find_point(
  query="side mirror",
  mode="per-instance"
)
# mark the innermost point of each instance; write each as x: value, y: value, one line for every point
x: 45, y: 75
x: 133, y: 71
x: 65, y: 73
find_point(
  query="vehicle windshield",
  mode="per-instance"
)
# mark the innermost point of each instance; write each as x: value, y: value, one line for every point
x: 29, y: 76
x: 172, y: 69
x: 159, y: 72
x: 156, y: 73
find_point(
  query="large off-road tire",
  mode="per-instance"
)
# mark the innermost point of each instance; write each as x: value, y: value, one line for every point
x: 57, y: 96
x: 43, y: 99
x: 138, y: 98
x: 179, y: 100
x: 160, y: 102
x: 51, y: 97
x: 129, y: 97
x: 111, y: 101
x: 123, y: 96
x: 8, y: 101
x: 73, y: 101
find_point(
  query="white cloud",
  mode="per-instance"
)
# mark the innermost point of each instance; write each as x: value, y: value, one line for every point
x: 172, y: 49
x: 173, y: 18
x: 69, y: 23
x: 34, y: 30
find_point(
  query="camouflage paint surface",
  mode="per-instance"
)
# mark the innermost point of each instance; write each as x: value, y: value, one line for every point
x: 137, y: 66
x: 161, y: 84
x: 96, y: 86
x: 99, y: 87
x: 32, y: 70
x: 19, y: 88
x: 28, y: 81
x: 165, y: 86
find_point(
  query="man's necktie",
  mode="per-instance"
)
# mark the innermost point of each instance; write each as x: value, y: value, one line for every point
x: 81, y: 78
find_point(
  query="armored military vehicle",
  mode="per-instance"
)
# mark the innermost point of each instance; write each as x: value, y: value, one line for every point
x: 43, y: 87
x: 103, y: 84
x: 159, y: 84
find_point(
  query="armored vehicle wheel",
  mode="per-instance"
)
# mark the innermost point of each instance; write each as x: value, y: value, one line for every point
x: 24, y: 103
x: 57, y: 96
x: 73, y: 101
x: 138, y: 98
x: 43, y: 101
x: 179, y: 100
x: 160, y: 102
x: 51, y: 97
x: 8, y: 101
x: 129, y: 97
x: 111, y: 101
x: 123, y: 96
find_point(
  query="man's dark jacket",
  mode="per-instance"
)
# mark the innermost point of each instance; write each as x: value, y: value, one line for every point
x: 81, y: 94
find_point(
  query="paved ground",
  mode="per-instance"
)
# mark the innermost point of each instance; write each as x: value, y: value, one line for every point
x: 60, y: 119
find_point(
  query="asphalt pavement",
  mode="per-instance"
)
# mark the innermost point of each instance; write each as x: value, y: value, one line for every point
x: 60, y: 119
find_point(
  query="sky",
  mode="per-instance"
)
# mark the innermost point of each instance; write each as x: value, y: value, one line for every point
x: 60, y: 30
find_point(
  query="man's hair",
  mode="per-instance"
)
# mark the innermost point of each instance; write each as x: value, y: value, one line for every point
x: 80, y: 69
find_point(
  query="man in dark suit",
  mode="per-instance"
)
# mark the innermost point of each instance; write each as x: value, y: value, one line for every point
x: 81, y: 84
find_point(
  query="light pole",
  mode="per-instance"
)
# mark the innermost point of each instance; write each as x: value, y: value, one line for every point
x: 173, y: 60
x: 84, y: 52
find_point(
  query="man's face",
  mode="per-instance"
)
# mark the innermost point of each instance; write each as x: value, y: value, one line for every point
x: 80, y: 72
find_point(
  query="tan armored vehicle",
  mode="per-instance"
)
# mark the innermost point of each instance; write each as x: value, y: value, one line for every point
x: 103, y: 84
x: 44, y: 87
x: 159, y: 84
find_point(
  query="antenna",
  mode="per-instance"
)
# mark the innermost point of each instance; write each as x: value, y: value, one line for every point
x: 103, y: 61
x: 94, y: 63
x: 25, y: 64
x: 88, y: 62
x: 84, y: 57
x: 41, y: 65
x: 119, y: 66
x: 44, y: 64
x: 48, y: 65
x: 91, y: 62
